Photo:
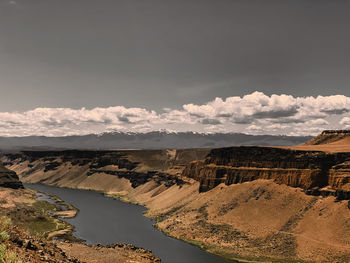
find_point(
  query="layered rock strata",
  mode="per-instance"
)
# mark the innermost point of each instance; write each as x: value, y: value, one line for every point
x: 316, y: 172
x: 78, y: 167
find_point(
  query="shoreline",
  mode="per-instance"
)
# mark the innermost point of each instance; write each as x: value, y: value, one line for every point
x: 124, y: 198
x: 68, y: 211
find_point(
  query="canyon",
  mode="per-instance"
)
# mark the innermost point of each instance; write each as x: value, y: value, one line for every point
x: 287, y: 203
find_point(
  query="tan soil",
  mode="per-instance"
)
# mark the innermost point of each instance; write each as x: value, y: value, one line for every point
x: 342, y: 145
x: 99, y: 254
x: 9, y: 197
x: 65, y: 214
x: 255, y: 219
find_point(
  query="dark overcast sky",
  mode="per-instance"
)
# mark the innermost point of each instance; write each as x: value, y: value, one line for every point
x: 162, y: 53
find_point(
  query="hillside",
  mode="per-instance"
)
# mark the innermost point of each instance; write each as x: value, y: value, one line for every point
x: 329, y: 137
x: 331, y: 141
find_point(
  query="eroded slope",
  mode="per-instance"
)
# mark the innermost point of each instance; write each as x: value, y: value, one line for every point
x: 246, y: 202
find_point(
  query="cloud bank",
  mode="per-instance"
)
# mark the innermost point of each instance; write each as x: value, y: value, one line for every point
x: 254, y: 113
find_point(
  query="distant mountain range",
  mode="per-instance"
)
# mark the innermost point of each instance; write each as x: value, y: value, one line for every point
x: 151, y: 140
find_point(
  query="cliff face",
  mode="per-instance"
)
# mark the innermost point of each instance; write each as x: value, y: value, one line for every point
x: 92, y: 169
x: 9, y: 178
x: 313, y: 171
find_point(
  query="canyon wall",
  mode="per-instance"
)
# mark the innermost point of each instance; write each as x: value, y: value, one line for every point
x: 118, y: 170
x: 9, y: 178
x: 314, y: 171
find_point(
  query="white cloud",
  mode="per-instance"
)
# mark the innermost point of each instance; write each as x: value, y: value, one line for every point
x: 254, y: 113
x: 345, y: 121
x: 320, y: 122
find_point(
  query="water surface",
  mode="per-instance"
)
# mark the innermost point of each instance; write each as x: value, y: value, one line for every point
x: 106, y: 220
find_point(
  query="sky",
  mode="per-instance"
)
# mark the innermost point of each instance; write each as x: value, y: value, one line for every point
x: 259, y: 67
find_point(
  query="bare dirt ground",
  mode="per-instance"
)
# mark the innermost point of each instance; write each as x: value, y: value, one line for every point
x: 117, y: 253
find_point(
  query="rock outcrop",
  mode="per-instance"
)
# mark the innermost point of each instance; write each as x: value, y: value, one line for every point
x: 314, y: 171
x: 9, y: 178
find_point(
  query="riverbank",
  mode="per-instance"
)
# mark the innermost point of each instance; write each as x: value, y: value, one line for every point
x: 160, y: 218
x: 106, y: 220
x: 35, y: 216
x: 62, y: 210
x: 185, y: 214
x: 35, y: 228
x: 193, y: 207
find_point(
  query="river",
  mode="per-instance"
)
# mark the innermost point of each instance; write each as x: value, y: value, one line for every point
x: 106, y: 220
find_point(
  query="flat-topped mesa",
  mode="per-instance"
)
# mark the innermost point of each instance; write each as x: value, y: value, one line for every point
x: 9, y: 178
x: 329, y: 136
x: 336, y: 132
x: 268, y: 157
x: 304, y: 169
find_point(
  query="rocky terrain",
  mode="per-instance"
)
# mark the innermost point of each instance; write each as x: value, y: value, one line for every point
x: 9, y: 178
x: 256, y: 203
x: 27, y: 227
x: 32, y: 249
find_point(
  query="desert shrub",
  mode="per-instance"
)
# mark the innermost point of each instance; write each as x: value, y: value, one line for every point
x: 4, y: 236
x: 2, y: 253
x: 12, y: 257
x: 8, y: 257
x: 5, y: 223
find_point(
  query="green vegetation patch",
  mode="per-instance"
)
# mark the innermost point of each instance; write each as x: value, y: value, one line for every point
x: 40, y: 223
x: 36, y: 218
x: 41, y: 227
x: 43, y: 207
